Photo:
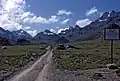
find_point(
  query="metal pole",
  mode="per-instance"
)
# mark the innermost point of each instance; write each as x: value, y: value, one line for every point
x: 111, y: 51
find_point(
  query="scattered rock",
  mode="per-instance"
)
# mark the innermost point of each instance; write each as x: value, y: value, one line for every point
x: 69, y: 47
x: 61, y: 47
x: 3, y: 47
x: 32, y: 58
x: 78, y: 74
x: 97, y: 76
x: 33, y: 54
x: 4, y: 74
x: 6, y: 61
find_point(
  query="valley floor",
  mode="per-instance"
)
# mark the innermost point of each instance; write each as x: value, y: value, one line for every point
x: 86, y: 64
x: 44, y: 70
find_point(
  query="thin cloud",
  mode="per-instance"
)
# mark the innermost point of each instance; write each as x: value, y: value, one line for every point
x: 64, y: 21
x: 57, y: 27
x: 41, y: 20
x: 27, y: 28
x: 91, y: 11
x: 14, y: 16
x: 10, y: 14
x: 64, y: 12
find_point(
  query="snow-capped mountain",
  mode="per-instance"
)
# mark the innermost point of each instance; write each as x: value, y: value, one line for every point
x: 21, y: 34
x: 47, y: 37
x: 93, y: 31
x: 15, y: 35
x: 48, y: 32
x: 6, y: 34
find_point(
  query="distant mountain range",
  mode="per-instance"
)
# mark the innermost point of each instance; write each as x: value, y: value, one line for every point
x: 92, y: 31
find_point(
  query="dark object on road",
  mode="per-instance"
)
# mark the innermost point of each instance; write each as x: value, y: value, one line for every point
x: 72, y: 47
x: 112, y: 66
x: 61, y: 47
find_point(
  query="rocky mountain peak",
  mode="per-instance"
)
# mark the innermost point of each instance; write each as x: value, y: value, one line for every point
x: 21, y: 31
x: 21, y: 34
x: 110, y: 16
x: 91, y: 31
x: 113, y: 14
x: 105, y: 16
x: 48, y: 32
x: 1, y: 28
x: 76, y: 26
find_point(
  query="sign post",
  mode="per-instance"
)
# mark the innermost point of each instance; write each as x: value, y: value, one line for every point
x: 112, y: 32
x: 111, y: 51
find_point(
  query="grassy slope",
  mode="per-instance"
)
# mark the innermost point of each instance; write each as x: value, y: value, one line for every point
x: 92, y: 54
x: 22, y: 50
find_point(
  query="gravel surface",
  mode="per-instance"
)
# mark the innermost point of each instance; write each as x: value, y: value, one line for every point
x: 103, y: 74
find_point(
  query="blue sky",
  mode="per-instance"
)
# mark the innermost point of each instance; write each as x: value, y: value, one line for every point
x: 35, y: 16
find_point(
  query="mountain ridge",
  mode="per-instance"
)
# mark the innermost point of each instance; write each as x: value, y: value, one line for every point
x: 91, y: 31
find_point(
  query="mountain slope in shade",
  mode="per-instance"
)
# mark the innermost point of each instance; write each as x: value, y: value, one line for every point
x: 94, y: 30
x: 62, y: 40
x: 4, y: 41
x: 14, y: 36
x: 22, y: 42
x: 21, y: 34
x: 46, y: 37
x: 6, y: 34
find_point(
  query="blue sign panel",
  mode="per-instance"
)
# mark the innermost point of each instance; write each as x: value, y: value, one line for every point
x: 112, y: 34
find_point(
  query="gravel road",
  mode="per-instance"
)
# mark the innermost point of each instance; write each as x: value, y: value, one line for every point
x: 37, y: 71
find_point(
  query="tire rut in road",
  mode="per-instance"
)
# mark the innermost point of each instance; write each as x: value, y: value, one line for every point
x: 43, y: 74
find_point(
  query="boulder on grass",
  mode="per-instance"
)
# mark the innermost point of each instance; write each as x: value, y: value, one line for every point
x: 61, y: 47
x: 3, y: 47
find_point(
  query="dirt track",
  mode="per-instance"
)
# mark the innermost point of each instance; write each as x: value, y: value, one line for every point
x: 36, y: 71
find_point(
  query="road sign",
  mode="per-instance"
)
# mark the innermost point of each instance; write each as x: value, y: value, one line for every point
x: 112, y: 32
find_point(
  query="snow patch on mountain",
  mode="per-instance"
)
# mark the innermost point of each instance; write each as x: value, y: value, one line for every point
x: 102, y: 20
